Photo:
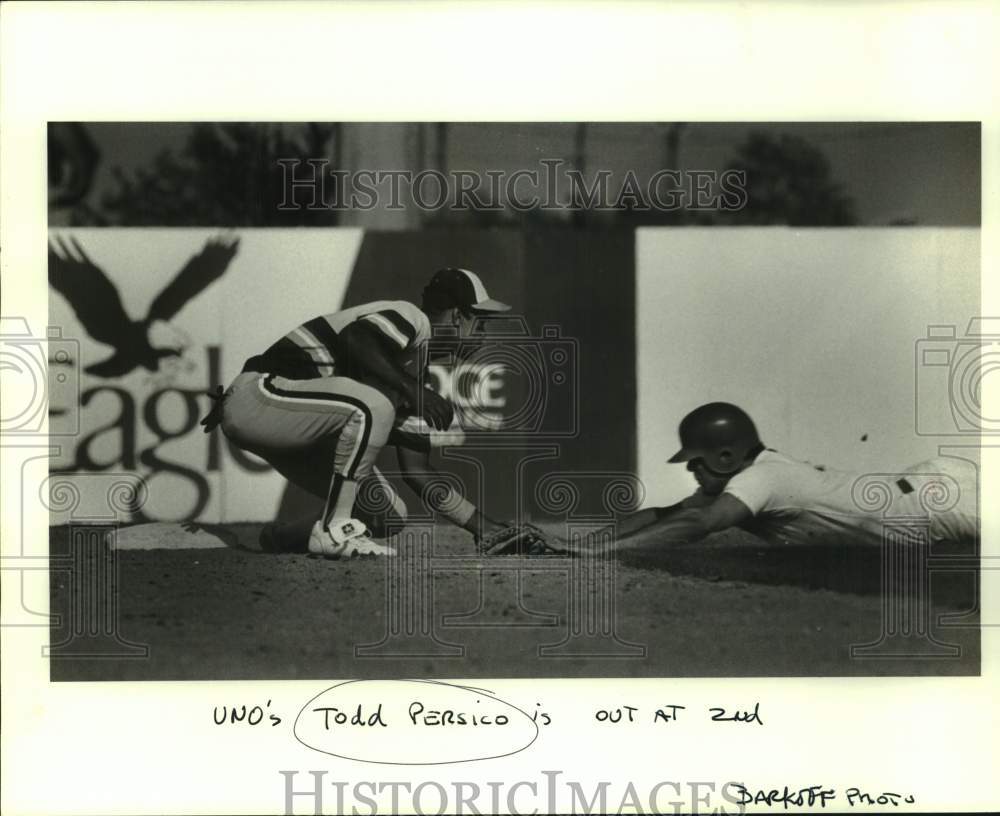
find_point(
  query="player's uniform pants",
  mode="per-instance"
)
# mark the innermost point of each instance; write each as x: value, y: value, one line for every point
x: 323, y: 434
x: 946, y: 489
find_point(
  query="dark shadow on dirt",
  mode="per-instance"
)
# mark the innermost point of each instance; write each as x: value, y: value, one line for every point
x: 836, y: 566
x: 224, y: 534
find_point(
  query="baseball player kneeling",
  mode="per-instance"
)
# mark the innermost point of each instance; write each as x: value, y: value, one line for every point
x: 743, y: 483
x: 322, y: 402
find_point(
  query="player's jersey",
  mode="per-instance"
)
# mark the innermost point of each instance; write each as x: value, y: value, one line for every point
x: 309, y: 351
x: 795, y: 501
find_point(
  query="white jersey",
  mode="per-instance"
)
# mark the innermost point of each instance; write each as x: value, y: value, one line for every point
x: 795, y: 501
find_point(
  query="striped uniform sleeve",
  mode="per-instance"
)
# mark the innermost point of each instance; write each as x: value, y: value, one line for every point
x: 403, y: 323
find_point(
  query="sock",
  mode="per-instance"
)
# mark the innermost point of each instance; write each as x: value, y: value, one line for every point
x: 340, y: 501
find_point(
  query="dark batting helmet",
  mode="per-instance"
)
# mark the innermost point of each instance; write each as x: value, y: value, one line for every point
x: 720, y: 434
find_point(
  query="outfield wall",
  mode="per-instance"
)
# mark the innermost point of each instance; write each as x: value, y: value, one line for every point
x: 146, y: 423
x: 815, y: 332
x: 820, y: 334
x: 572, y: 291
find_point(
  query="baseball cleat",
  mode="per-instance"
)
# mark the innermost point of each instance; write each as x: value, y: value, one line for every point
x: 347, y: 538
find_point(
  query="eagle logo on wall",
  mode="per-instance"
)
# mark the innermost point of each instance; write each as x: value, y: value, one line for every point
x: 98, y: 306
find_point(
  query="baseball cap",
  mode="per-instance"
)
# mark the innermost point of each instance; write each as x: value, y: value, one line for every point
x: 463, y: 289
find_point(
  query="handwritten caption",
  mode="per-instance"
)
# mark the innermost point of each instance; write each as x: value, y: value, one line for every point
x: 422, y: 722
x: 671, y: 713
x: 416, y: 722
x: 815, y: 796
x: 418, y: 714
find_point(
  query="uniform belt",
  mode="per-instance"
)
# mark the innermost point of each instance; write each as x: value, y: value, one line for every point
x: 904, y: 486
x: 260, y: 364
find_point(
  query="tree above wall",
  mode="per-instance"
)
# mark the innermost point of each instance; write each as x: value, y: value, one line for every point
x: 228, y: 175
x: 225, y: 175
x: 789, y: 181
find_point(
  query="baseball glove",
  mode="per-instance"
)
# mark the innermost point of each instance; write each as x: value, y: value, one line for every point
x: 520, y: 539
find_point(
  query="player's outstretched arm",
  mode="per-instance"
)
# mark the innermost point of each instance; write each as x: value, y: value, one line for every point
x: 633, y: 523
x: 419, y: 475
x: 682, y: 523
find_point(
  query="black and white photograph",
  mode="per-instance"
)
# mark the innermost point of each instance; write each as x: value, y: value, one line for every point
x: 523, y: 399
x: 498, y: 408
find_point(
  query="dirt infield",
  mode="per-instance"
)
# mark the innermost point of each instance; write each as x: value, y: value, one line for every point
x: 727, y: 607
